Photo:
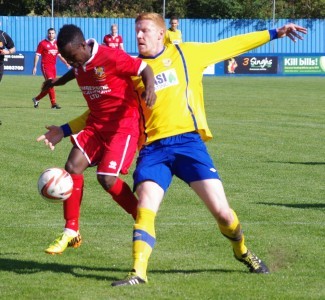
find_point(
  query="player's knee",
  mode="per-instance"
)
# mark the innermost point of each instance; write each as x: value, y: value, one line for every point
x: 71, y: 168
x: 106, y: 181
x: 224, y: 217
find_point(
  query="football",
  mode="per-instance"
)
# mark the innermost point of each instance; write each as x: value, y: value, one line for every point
x: 55, y: 185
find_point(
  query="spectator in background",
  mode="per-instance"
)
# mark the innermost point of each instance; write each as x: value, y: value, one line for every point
x: 48, y: 49
x: 7, y: 46
x: 173, y: 35
x: 112, y: 39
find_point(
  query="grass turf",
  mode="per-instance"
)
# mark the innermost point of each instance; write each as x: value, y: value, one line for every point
x: 269, y: 150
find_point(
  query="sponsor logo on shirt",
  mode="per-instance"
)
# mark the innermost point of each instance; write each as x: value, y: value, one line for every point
x: 112, y: 165
x: 94, y: 92
x: 166, y: 79
x: 53, y: 52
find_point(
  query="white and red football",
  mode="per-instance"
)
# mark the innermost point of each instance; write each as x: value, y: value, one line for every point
x: 55, y: 185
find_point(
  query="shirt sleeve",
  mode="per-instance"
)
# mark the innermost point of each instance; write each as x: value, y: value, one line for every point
x: 39, y: 49
x: 10, y: 43
x: 142, y: 67
x: 75, y: 125
x: 127, y: 65
x: 211, y: 53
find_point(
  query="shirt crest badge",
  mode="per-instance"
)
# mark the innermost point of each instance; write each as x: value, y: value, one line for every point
x: 167, y: 62
x: 100, y: 73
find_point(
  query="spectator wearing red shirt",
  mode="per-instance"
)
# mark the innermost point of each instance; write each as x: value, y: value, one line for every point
x: 48, y: 50
x: 113, y: 40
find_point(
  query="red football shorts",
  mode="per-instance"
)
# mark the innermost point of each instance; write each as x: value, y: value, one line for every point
x: 49, y: 71
x: 112, y: 155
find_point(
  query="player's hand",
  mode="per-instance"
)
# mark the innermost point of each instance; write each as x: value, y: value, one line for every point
x: 52, y: 137
x: 291, y: 31
x: 149, y: 97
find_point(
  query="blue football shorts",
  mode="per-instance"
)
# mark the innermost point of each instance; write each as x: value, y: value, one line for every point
x: 185, y: 156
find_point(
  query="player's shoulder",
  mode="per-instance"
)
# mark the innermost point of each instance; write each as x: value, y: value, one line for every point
x: 43, y: 42
x: 192, y: 49
x: 4, y: 34
x: 106, y: 54
x: 104, y: 48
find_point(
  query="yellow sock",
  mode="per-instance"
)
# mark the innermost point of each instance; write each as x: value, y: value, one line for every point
x: 144, y: 239
x: 235, y: 235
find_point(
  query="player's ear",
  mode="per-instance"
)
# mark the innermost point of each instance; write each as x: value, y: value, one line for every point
x: 161, y: 34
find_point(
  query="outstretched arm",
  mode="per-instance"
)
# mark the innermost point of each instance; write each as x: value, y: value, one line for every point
x: 58, y: 81
x: 291, y: 31
x: 53, y: 136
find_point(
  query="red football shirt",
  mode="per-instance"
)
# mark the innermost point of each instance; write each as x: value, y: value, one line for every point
x: 105, y: 81
x: 112, y: 41
x: 49, y: 52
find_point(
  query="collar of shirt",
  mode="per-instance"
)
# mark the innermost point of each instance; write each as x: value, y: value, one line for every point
x: 93, y: 52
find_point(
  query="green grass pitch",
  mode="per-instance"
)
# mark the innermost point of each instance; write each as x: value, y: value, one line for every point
x: 268, y: 146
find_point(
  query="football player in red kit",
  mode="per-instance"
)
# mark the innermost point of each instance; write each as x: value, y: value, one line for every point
x: 48, y: 50
x: 110, y: 137
x: 113, y: 39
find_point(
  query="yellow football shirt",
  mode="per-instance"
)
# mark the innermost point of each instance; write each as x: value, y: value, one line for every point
x: 173, y: 37
x: 178, y: 71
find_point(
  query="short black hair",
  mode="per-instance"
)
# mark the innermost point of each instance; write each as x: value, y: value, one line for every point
x: 70, y: 34
x: 173, y: 18
x: 50, y: 29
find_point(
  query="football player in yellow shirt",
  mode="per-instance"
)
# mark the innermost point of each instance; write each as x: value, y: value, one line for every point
x: 175, y: 130
x: 173, y: 35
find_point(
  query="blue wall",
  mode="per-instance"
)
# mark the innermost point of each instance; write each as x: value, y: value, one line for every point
x: 28, y: 31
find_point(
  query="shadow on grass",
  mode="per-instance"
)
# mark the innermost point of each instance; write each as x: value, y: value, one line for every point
x: 307, y: 163
x: 30, y: 267
x: 298, y: 205
x: 46, y: 106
